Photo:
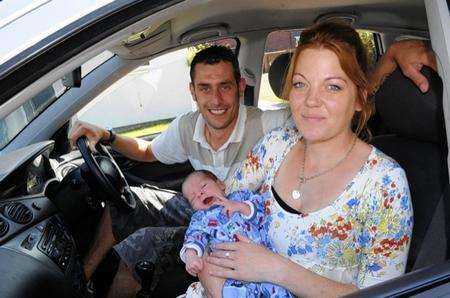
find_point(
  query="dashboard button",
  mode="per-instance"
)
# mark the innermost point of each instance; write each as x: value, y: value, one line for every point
x: 29, y: 242
x: 36, y: 206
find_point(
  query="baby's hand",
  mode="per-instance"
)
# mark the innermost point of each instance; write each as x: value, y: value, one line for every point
x: 230, y: 207
x: 194, y: 264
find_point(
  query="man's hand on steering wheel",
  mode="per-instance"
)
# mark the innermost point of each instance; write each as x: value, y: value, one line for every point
x: 93, y: 133
x: 101, y: 171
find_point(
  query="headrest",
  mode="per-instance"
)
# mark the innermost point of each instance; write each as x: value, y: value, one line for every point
x: 406, y: 111
x: 277, y: 71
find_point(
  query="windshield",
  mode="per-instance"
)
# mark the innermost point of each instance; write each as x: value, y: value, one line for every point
x: 24, y: 23
x: 12, y: 125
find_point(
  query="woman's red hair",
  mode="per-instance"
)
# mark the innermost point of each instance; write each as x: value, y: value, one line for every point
x: 344, y: 41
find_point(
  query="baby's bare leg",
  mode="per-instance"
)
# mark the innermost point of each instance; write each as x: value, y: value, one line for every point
x: 213, y: 285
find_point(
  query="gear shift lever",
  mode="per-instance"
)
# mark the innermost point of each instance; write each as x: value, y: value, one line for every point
x: 145, y: 270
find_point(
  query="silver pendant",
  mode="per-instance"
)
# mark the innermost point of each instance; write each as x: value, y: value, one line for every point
x: 296, y: 194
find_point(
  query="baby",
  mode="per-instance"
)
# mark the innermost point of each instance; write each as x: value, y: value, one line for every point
x: 218, y: 219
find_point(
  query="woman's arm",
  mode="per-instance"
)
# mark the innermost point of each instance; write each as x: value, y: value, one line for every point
x: 247, y: 261
x: 385, y: 241
x: 305, y: 283
x: 386, y: 235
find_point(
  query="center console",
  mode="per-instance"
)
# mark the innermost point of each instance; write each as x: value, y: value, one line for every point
x: 56, y: 244
x: 39, y: 258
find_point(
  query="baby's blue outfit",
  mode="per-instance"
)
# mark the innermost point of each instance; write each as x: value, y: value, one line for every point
x: 208, y: 227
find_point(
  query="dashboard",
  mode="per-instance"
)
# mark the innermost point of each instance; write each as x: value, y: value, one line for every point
x: 38, y: 254
x: 30, y: 179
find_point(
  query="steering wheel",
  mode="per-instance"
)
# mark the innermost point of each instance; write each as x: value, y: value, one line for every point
x: 105, y: 173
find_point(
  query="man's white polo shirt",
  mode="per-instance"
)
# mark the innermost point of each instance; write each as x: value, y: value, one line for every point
x: 185, y: 140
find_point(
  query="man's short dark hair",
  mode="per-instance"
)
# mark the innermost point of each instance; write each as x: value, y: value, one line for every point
x: 213, y: 55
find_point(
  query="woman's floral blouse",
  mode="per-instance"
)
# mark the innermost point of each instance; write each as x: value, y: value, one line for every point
x: 362, y: 238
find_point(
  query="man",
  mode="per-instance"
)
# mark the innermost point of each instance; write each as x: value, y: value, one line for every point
x: 217, y: 138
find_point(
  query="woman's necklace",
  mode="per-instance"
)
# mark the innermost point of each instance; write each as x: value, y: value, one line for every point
x: 296, y: 193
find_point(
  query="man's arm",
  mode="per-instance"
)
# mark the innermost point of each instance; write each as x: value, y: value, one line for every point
x: 410, y: 56
x: 133, y: 148
x: 166, y: 147
x: 130, y: 147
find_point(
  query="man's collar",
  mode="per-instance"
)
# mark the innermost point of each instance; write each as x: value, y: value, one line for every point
x: 236, y: 136
x: 238, y: 132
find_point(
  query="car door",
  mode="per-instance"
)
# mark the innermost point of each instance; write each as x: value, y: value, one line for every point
x: 432, y: 281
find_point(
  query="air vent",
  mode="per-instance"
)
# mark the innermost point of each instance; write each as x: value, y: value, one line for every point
x: 4, y: 227
x: 18, y: 213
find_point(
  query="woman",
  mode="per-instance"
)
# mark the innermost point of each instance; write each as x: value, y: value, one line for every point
x: 338, y: 210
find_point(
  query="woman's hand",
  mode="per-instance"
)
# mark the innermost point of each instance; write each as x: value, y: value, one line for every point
x: 246, y: 261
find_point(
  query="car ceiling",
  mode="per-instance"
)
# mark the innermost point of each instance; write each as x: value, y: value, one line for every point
x: 239, y: 17
x: 186, y: 18
x: 254, y: 15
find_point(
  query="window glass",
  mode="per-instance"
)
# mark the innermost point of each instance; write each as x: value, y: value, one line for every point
x: 368, y: 39
x: 13, y: 124
x: 285, y: 41
x: 277, y: 43
x: 94, y: 62
x: 146, y: 100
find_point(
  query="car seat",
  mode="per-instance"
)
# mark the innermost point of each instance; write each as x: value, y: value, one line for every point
x: 414, y: 135
x: 277, y: 72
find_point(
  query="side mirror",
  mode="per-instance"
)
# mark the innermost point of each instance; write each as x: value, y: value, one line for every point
x: 73, y: 78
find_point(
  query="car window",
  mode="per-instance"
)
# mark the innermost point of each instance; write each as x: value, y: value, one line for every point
x: 285, y: 41
x: 95, y: 62
x: 146, y: 100
x: 13, y: 123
